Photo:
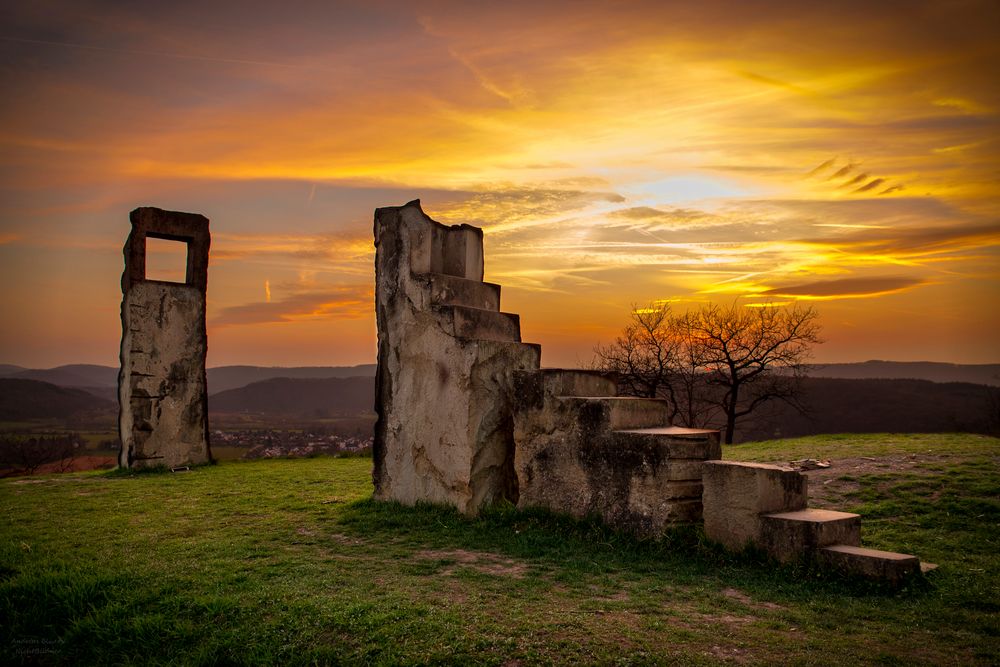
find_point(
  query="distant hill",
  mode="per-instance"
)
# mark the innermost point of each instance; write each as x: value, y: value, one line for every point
x: 33, y: 399
x: 96, y: 379
x: 876, y: 406
x: 309, y: 398
x: 910, y: 370
x: 224, y: 378
x: 73, y: 375
x: 107, y: 393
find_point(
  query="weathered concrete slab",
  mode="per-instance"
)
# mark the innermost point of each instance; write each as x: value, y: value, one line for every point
x: 787, y: 536
x: 479, y: 324
x: 443, y: 388
x: 576, y: 382
x: 570, y: 458
x: 686, y: 445
x: 618, y: 412
x: 737, y: 494
x: 163, y: 418
x: 454, y: 291
x: 885, y: 566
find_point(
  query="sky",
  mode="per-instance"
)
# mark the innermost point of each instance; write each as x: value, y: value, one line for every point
x: 840, y: 155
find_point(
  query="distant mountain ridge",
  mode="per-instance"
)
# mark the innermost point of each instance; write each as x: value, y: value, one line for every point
x: 934, y: 371
x: 97, y: 379
x: 32, y: 399
x: 835, y: 405
x: 839, y: 405
x: 224, y: 378
x: 314, y: 398
x: 71, y: 375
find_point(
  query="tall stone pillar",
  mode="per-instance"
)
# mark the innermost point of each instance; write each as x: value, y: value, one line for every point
x: 446, y: 358
x: 163, y: 417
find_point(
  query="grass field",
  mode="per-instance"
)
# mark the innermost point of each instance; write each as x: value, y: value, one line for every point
x: 291, y: 562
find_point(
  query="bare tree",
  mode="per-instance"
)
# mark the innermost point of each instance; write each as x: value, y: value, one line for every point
x: 25, y: 455
x: 698, y: 406
x: 713, y: 364
x: 754, y: 355
x: 645, y: 356
x: 993, y: 409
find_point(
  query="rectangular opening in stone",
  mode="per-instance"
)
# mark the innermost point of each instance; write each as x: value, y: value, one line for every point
x: 166, y: 260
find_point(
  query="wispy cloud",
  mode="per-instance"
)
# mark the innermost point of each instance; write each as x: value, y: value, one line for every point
x: 506, y: 209
x: 328, y: 251
x: 612, y: 154
x: 344, y: 302
x: 845, y: 288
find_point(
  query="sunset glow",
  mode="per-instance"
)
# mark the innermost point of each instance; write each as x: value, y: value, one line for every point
x: 615, y: 154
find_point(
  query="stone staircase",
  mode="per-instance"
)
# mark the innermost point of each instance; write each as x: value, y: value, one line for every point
x: 600, y: 453
x: 470, y: 309
x: 466, y: 417
x: 766, y: 506
x: 583, y: 450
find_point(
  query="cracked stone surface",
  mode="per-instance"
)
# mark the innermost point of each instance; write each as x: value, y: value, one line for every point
x: 443, y: 390
x: 571, y: 457
x: 163, y: 418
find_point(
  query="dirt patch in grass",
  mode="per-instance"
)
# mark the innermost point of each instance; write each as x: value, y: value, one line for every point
x: 828, y: 486
x: 477, y: 560
x: 347, y: 540
x: 732, y: 654
x: 742, y: 597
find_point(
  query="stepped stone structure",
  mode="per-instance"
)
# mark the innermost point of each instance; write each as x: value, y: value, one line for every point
x: 466, y: 416
x: 581, y: 449
x: 446, y: 359
x: 163, y: 418
x: 766, y: 506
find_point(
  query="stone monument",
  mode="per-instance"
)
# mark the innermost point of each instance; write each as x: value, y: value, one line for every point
x: 466, y: 417
x: 163, y: 417
x: 446, y: 358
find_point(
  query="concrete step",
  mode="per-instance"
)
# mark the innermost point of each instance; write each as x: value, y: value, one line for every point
x: 885, y: 566
x: 681, y: 490
x: 448, y: 290
x: 649, y: 515
x: 675, y: 442
x: 685, y: 511
x: 790, y: 535
x: 618, y: 412
x: 577, y: 382
x: 479, y: 324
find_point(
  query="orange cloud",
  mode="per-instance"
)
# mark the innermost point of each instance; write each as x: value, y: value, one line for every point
x: 845, y: 288
x: 628, y: 153
x: 345, y: 302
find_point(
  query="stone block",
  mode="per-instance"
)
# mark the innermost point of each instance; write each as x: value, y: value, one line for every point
x: 617, y: 412
x: 444, y: 430
x: 696, y: 445
x: 571, y: 460
x: 479, y: 324
x: 448, y: 290
x: 737, y: 494
x: 873, y: 564
x: 788, y: 536
x: 575, y: 382
x: 162, y: 391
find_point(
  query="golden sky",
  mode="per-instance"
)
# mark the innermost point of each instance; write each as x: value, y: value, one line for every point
x: 843, y: 154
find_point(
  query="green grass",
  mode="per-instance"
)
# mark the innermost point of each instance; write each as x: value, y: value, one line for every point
x: 291, y: 562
